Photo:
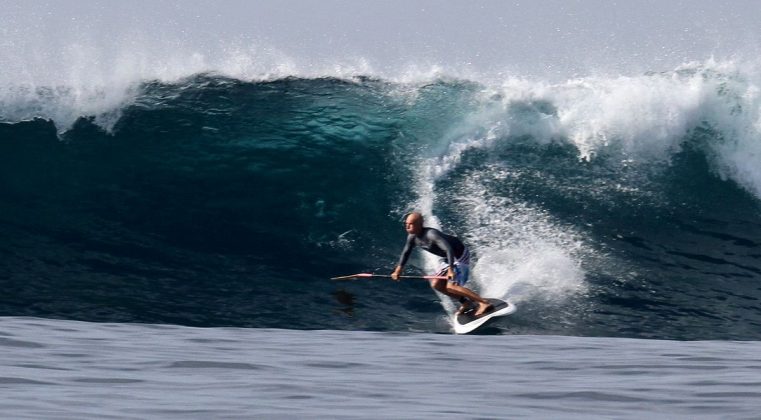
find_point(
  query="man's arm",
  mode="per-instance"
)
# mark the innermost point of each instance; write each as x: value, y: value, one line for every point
x: 405, y: 255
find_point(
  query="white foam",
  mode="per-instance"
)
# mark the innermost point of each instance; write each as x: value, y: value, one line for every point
x: 647, y: 118
x: 91, y: 79
x: 640, y: 120
x: 522, y: 253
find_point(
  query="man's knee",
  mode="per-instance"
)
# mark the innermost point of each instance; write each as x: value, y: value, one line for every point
x: 440, y: 285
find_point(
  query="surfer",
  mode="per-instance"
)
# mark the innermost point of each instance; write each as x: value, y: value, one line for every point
x: 455, y: 263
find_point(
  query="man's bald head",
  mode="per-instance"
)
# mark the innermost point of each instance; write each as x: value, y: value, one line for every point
x: 413, y: 224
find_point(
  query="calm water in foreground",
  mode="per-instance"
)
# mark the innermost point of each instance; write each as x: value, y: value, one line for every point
x: 64, y: 369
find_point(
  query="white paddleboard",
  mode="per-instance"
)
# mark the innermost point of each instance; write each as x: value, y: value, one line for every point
x: 467, y: 321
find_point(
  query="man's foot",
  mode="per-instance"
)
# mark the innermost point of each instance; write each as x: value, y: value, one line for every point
x: 465, y: 307
x: 483, y: 308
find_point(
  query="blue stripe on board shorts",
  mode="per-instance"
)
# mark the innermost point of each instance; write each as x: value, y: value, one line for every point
x: 461, y: 268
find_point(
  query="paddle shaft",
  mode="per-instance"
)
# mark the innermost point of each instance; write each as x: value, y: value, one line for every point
x: 369, y: 275
x: 413, y: 277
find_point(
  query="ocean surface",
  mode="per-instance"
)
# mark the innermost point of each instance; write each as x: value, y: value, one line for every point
x: 54, y: 369
x: 168, y: 235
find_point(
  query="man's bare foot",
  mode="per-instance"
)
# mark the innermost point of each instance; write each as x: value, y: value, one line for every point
x: 465, y: 307
x: 483, y: 308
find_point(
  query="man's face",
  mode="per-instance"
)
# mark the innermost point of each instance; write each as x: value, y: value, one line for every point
x: 413, y: 225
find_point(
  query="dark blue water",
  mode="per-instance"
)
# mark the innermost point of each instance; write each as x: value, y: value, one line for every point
x: 215, y: 202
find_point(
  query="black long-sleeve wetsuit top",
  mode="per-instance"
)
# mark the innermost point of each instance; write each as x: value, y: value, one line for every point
x: 435, y: 242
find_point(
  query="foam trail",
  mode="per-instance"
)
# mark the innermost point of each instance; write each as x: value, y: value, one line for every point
x: 522, y: 254
x: 640, y: 120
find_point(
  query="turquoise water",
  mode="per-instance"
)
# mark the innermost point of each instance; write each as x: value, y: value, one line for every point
x: 219, y: 202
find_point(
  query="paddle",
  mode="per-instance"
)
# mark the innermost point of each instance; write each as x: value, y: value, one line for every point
x: 369, y: 275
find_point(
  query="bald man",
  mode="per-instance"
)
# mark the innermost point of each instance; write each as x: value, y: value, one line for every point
x: 455, y: 263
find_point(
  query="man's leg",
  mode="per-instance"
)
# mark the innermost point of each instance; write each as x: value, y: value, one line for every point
x: 454, y: 289
x: 465, y: 305
x: 441, y: 286
x: 457, y: 287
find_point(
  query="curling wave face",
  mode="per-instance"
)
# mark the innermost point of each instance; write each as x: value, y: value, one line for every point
x: 602, y: 206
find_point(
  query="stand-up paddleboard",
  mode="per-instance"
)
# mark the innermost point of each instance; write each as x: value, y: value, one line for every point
x: 468, y: 321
